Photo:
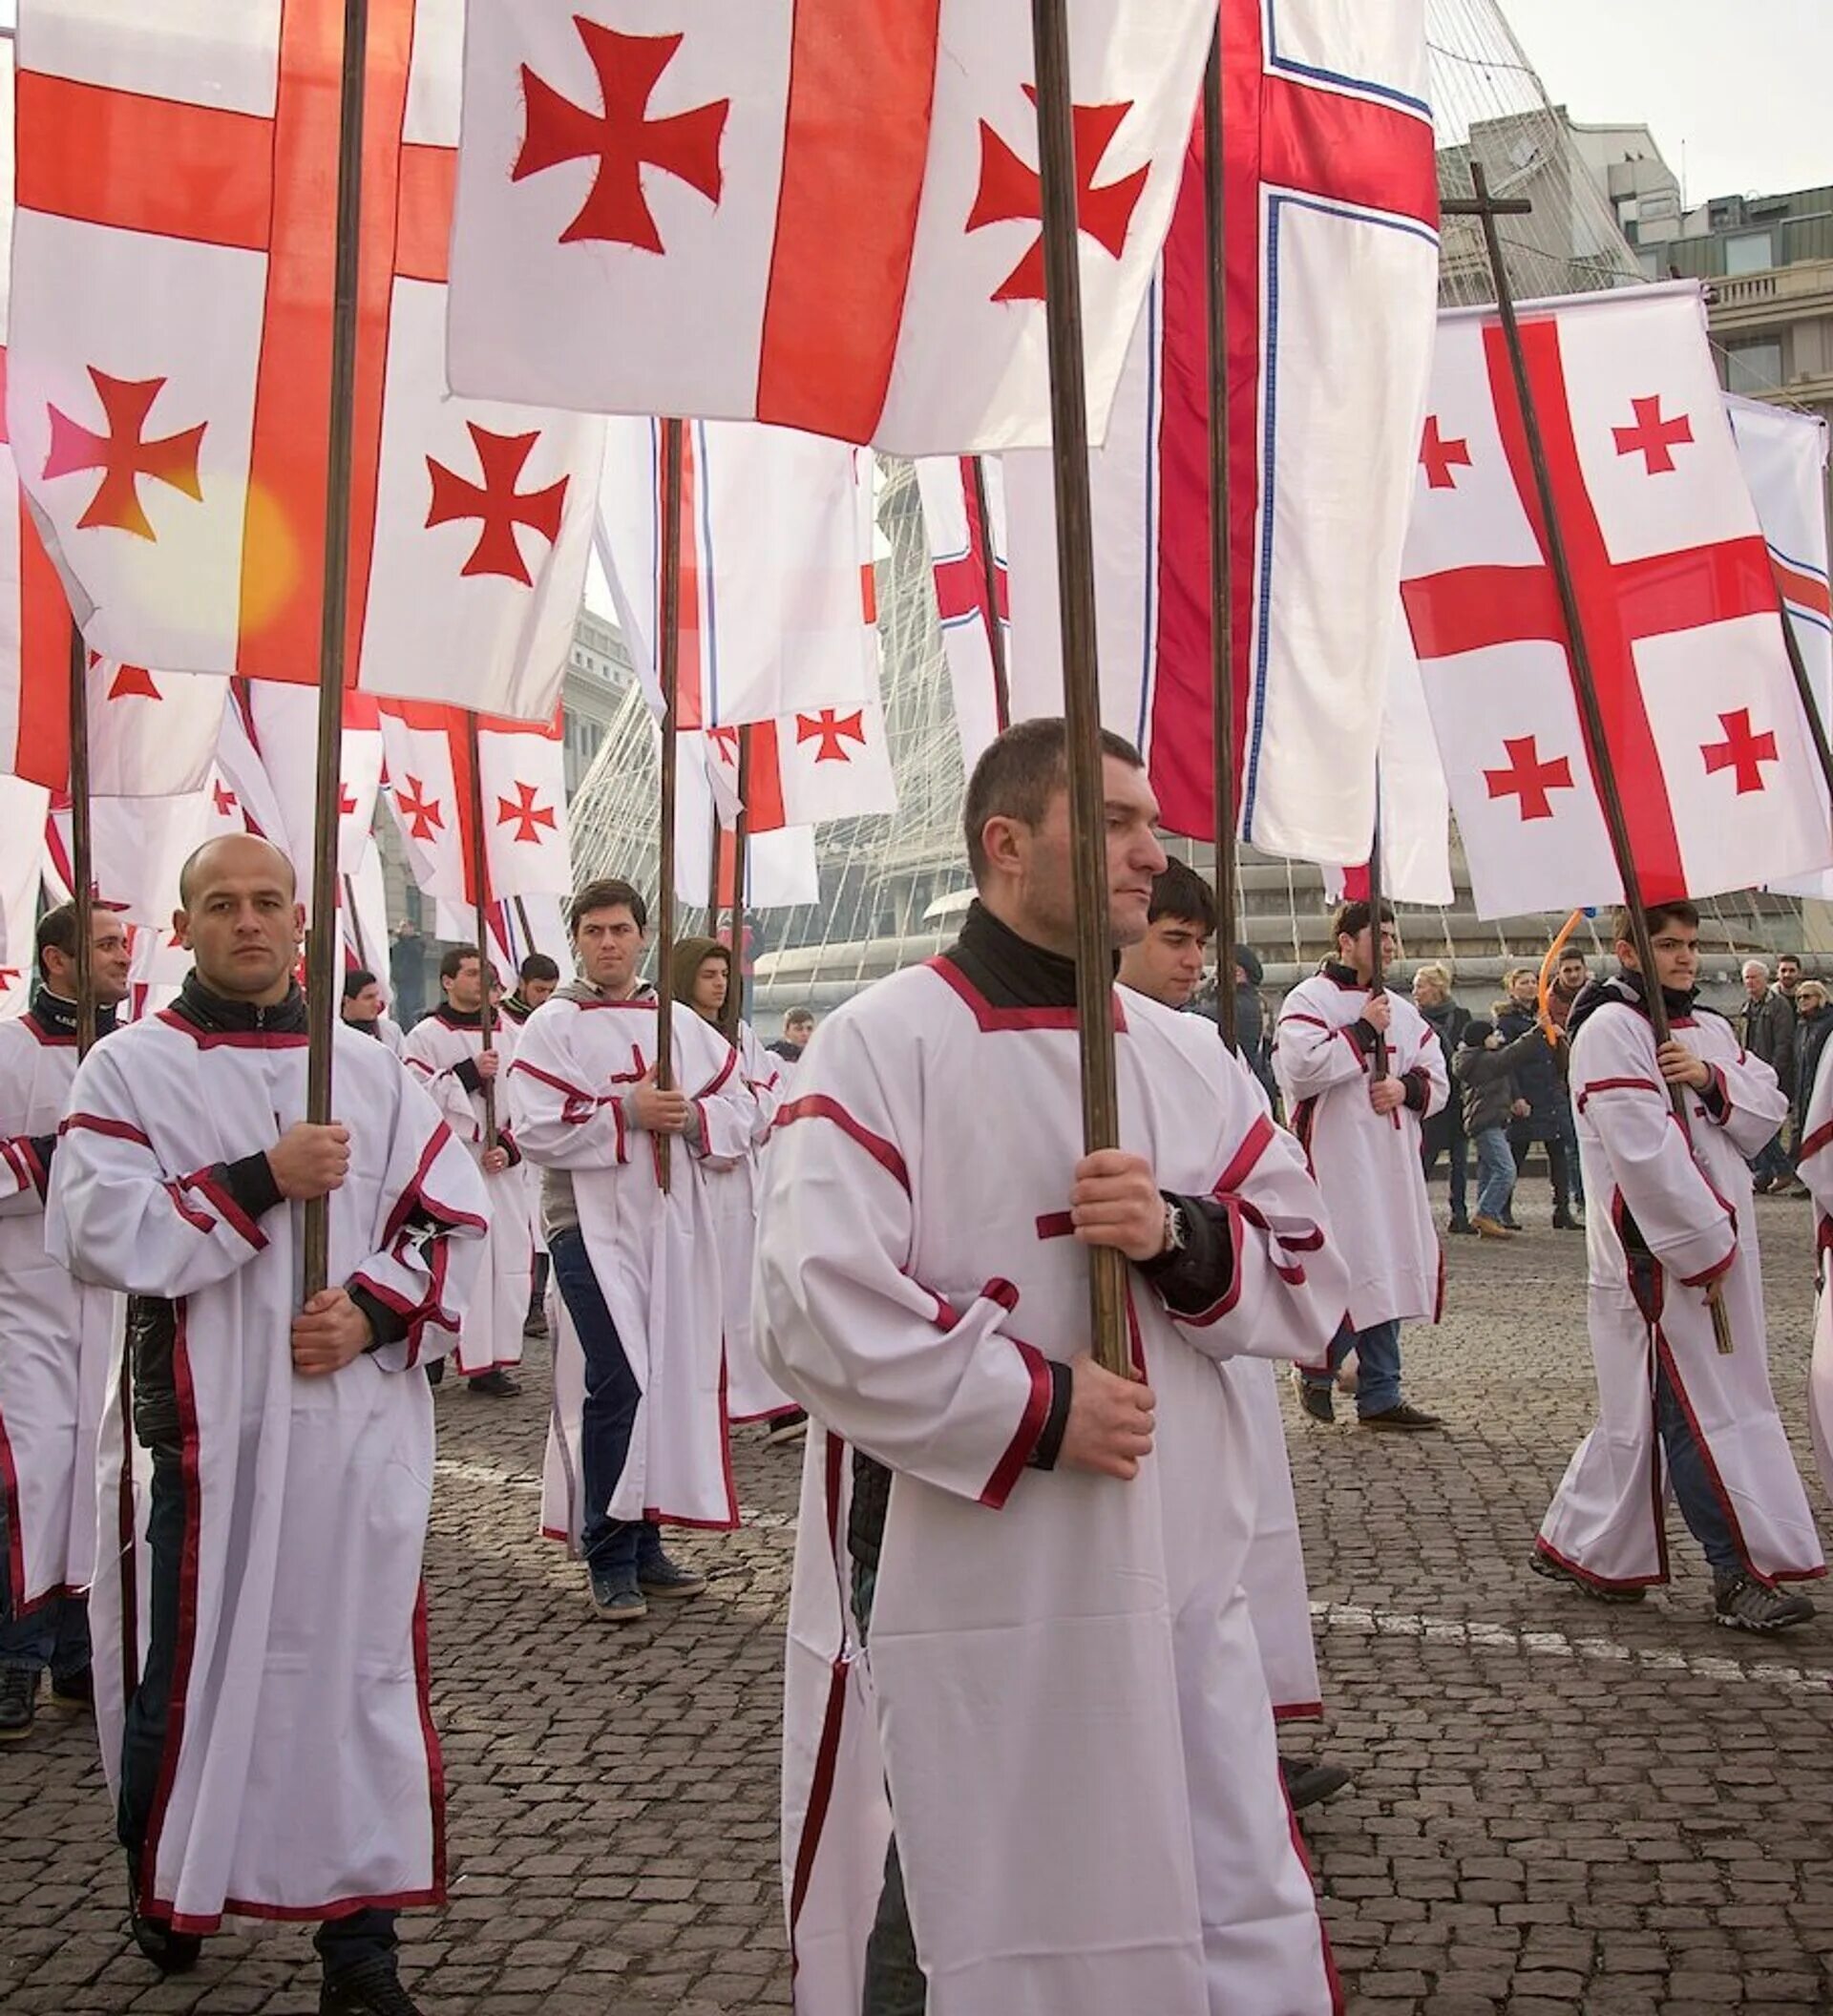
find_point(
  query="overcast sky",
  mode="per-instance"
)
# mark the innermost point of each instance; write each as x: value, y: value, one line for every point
x: 1744, y: 86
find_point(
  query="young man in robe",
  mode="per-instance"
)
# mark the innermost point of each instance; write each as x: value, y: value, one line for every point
x: 54, y: 1338
x: 445, y: 1050
x: 365, y: 1010
x: 1679, y: 1234
x: 1029, y: 1624
x: 1167, y: 966
x: 272, y: 1752
x: 637, y: 1436
x: 535, y: 980
x: 1361, y: 1073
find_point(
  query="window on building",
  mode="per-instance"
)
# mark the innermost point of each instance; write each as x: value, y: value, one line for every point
x: 1754, y: 368
x: 1749, y: 252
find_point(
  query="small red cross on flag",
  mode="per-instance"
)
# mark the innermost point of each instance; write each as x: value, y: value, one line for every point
x: 1706, y: 739
x: 976, y: 620
x: 1439, y: 457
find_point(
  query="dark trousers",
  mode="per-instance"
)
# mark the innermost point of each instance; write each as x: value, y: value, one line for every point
x: 53, y: 1634
x: 618, y: 1546
x: 538, y: 1286
x: 1520, y: 1143
x: 344, y: 1943
x: 1454, y: 1144
x: 894, y: 1984
x: 1694, y: 1491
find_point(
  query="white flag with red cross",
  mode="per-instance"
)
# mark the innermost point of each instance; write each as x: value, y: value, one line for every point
x: 807, y: 212
x: 782, y: 869
x: 1676, y: 595
x: 802, y: 770
x: 964, y: 515
x: 23, y: 809
x: 169, y: 391
x: 34, y: 641
x: 151, y: 734
x: 772, y: 546
x: 139, y: 846
x: 1330, y: 197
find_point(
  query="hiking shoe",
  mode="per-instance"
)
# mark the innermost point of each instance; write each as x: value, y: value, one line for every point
x: 536, y: 1325
x: 659, y: 1576
x: 1315, y: 1401
x: 784, y: 1428
x: 19, y: 1701
x: 1740, y: 1603
x: 1564, y: 1222
x: 1461, y: 1225
x: 1408, y: 1419
x: 75, y: 1690
x: 372, y: 1989
x: 1310, y: 1779
x: 496, y: 1385
x: 171, y: 1952
x: 1557, y: 1572
x: 1489, y: 1228
x: 616, y: 1596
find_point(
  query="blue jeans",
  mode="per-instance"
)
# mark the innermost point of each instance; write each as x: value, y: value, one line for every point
x: 53, y: 1634
x: 1495, y: 1173
x: 1455, y: 1148
x: 1772, y: 1160
x: 1692, y: 1480
x: 613, y: 1546
x: 1378, y: 1359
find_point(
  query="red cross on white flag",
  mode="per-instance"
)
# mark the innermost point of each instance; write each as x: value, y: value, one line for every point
x: 22, y: 806
x: 972, y: 602
x: 746, y: 211
x: 1675, y: 585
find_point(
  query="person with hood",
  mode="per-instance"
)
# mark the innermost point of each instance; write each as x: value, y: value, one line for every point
x: 1445, y: 1134
x: 1675, y: 1414
x: 1483, y: 1069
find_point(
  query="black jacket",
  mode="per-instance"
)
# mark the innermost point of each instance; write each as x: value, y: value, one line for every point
x: 1811, y: 1032
x: 1489, y: 1079
x: 1766, y: 1029
x: 1537, y: 1078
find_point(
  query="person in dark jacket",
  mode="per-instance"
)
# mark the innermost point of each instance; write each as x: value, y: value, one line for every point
x: 1443, y: 1134
x: 1765, y: 1026
x: 1813, y: 1025
x: 1539, y: 1084
x: 1484, y: 1074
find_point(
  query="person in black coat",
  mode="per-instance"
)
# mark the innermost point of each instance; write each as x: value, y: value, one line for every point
x: 1813, y: 1024
x: 1445, y: 1134
x: 1539, y: 1087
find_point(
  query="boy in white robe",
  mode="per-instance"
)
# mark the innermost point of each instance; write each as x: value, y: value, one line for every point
x: 54, y: 1338
x: 1061, y: 1688
x: 1671, y: 1230
x: 1361, y: 1073
x: 445, y: 1050
x: 536, y: 982
x: 638, y: 1434
x: 272, y: 1752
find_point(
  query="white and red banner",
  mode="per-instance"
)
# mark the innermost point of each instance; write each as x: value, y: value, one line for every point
x: 802, y: 770
x: 1331, y: 210
x: 23, y: 809
x: 964, y: 515
x: 151, y: 734
x: 266, y: 760
x: 808, y: 212
x: 782, y: 870
x: 34, y: 641
x: 169, y: 390
x: 1676, y: 596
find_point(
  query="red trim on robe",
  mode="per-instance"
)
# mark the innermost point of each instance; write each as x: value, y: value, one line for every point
x: 1617, y: 1085
x: 819, y: 1105
x: 1024, y: 1438
x: 235, y: 1038
x: 102, y: 1123
x: 225, y: 1207
x: 997, y: 1021
x: 1255, y: 1144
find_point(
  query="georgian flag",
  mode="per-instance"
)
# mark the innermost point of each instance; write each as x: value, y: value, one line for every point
x: 1676, y: 587
x: 23, y: 809
x: 973, y: 599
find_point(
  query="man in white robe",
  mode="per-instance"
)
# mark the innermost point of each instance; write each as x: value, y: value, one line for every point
x: 1671, y: 1230
x: 445, y: 1050
x: 1361, y: 1073
x: 365, y: 1008
x: 1814, y: 1163
x: 536, y: 982
x: 54, y: 1338
x: 1167, y: 965
x: 1028, y: 1623
x: 637, y: 1435
x: 271, y: 1749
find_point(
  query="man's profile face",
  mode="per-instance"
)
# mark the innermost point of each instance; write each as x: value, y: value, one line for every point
x: 609, y: 946
x: 536, y: 992
x: 1428, y: 990
x: 1135, y: 860
x: 465, y: 988
x: 364, y: 1005
x: 109, y: 959
x: 1167, y: 962
x: 1357, y: 953
x: 709, y: 987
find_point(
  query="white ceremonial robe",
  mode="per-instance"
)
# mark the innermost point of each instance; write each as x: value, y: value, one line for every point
x: 55, y: 1335
x: 752, y: 1395
x: 490, y: 1339
x: 1065, y: 1690
x: 302, y: 1770
x: 1607, y: 1521
x: 652, y: 1251
x: 1367, y: 1163
x: 1814, y: 1165
x: 1274, y: 1577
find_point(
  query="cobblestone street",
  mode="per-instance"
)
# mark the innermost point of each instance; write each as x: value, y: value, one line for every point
x: 1558, y: 1806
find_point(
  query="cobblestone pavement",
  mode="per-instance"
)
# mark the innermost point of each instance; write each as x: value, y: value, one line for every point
x: 1558, y: 1807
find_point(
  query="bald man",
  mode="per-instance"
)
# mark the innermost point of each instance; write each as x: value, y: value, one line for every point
x: 271, y: 1753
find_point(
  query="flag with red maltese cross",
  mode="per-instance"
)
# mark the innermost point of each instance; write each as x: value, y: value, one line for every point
x: 808, y: 212
x: 964, y: 514
x: 170, y: 383
x: 1677, y: 596
x: 23, y: 809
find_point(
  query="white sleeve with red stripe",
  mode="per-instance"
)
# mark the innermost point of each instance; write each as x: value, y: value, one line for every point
x: 1752, y: 1102
x: 1311, y: 1054
x: 943, y: 1395
x: 21, y: 1178
x: 432, y: 1054
x: 1814, y: 1160
x: 714, y: 1077
x: 560, y: 1120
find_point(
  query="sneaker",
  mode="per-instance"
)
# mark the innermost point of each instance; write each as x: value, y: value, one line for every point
x: 372, y: 1989
x: 1488, y: 1228
x: 1557, y: 1572
x: 19, y: 1701
x: 536, y: 1324
x: 616, y: 1596
x: 1564, y: 1222
x: 171, y: 1952
x: 1315, y: 1401
x: 1408, y: 1420
x: 1310, y: 1779
x: 1740, y: 1603
x: 75, y: 1690
x: 496, y: 1385
x: 784, y: 1428
x: 659, y: 1576
x: 1461, y: 1227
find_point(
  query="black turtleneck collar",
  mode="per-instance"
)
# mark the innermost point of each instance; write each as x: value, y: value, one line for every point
x: 458, y: 1018
x: 217, y: 1015
x: 513, y: 1008
x: 58, y: 1016
x: 1631, y: 990
x: 1340, y: 976
x: 1009, y: 971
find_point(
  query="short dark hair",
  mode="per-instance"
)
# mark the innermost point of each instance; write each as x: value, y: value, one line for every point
x: 1017, y: 775
x: 355, y: 980
x: 1179, y: 891
x: 56, y: 933
x: 454, y: 962
x: 1352, y: 920
x: 538, y: 966
x: 1572, y: 956
x: 607, y: 892
x: 795, y: 1018
x: 1655, y: 915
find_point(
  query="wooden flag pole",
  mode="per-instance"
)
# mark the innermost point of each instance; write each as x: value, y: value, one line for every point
x: 1377, y: 962
x: 322, y: 944
x: 356, y: 924
x: 1221, y: 556
x: 82, y: 844
x: 990, y: 573
x: 1081, y: 693
x: 668, y: 622
x: 714, y: 902
x: 740, y: 848
x: 480, y: 897
x: 1486, y: 209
